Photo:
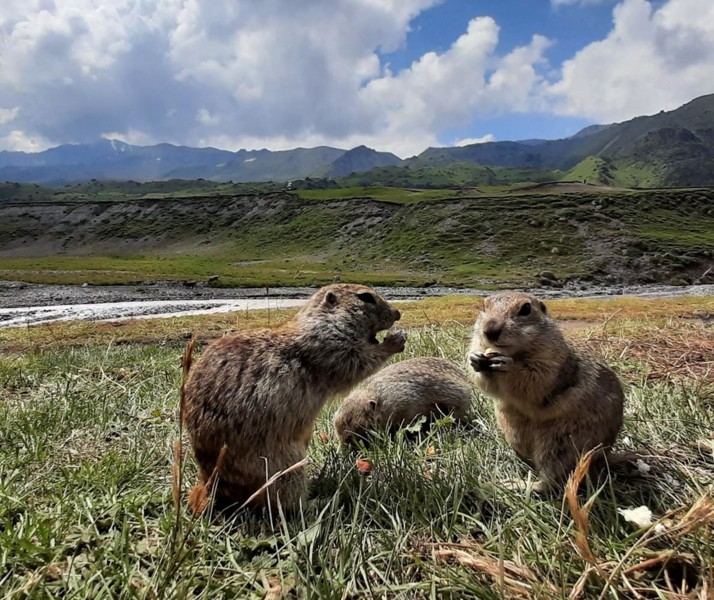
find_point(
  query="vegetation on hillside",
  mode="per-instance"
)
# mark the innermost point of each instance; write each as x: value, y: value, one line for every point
x: 281, y: 239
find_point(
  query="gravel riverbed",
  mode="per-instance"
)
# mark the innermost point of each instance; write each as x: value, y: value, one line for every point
x: 28, y: 303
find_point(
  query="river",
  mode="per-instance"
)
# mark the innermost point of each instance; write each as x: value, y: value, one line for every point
x: 23, y: 304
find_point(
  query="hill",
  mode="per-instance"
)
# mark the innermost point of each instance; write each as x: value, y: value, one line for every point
x: 669, y: 149
x: 281, y: 239
x: 361, y: 159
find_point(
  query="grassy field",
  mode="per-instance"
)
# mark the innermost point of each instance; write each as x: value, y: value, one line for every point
x: 88, y: 420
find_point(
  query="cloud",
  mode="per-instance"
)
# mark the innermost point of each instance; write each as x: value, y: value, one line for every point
x: 489, y: 137
x: 279, y: 74
x: 18, y: 141
x: 653, y: 59
x: 441, y: 91
x: 237, y: 73
x: 8, y: 114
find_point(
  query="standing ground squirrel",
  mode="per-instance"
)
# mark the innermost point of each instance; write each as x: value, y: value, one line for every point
x: 553, y: 402
x: 401, y: 392
x: 258, y: 393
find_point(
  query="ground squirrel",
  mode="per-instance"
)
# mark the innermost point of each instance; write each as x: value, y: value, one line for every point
x: 258, y: 393
x: 553, y: 402
x: 399, y: 393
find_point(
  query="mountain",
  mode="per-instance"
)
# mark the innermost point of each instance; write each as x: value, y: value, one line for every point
x: 361, y: 159
x: 112, y: 159
x: 264, y: 165
x: 104, y: 159
x: 669, y: 149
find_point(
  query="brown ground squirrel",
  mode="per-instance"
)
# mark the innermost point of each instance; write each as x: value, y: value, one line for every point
x: 553, y: 402
x: 399, y: 393
x: 258, y: 393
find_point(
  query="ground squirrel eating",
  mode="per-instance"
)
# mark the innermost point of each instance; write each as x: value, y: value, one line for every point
x: 399, y: 393
x: 553, y: 402
x: 257, y: 393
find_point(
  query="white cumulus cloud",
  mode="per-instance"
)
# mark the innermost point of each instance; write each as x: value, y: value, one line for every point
x: 653, y: 59
x: 236, y: 73
x: 279, y: 73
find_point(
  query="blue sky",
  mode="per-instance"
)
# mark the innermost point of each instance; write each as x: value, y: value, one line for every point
x: 569, y: 27
x: 396, y: 75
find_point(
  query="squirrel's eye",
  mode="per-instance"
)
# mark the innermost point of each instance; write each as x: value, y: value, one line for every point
x: 367, y: 297
x: 525, y: 310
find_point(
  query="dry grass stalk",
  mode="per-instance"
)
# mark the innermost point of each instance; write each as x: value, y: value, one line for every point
x: 579, y: 587
x: 275, y: 588
x: 199, y: 496
x: 701, y: 514
x: 650, y: 562
x: 272, y: 480
x: 176, y: 476
x: 177, y: 466
x: 677, y: 350
x: 581, y: 513
x: 515, y: 580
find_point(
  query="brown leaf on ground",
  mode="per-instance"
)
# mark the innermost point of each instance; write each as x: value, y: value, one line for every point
x: 363, y: 466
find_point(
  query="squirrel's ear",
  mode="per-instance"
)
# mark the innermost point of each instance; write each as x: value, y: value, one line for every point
x: 373, y: 405
x: 330, y: 299
x: 543, y: 308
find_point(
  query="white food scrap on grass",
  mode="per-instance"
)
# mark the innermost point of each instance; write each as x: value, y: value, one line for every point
x: 640, y: 516
x: 643, y: 467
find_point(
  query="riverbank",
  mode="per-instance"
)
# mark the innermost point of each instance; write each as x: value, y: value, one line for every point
x: 25, y: 303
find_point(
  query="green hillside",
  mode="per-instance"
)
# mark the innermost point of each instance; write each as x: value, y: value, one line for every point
x: 282, y: 239
x: 669, y: 149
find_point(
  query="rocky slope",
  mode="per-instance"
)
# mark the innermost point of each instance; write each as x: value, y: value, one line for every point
x: 646, y: 237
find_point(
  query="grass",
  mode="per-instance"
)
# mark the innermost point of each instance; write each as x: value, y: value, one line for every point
x: 387, y: 194
x: 86, y: 508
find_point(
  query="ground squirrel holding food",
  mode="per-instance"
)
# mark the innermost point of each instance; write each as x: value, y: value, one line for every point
x: 399, y: 393
x: 256, y: 394
x: 553, y: 402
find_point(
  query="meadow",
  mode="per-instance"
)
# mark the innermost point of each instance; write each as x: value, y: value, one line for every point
x: 88, y: 422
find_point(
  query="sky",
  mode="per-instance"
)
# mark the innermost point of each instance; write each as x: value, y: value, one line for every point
x: 395, y: 75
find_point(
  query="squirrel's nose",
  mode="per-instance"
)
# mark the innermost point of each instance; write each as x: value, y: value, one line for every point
x: 492, y: 332
x: 397, y: 315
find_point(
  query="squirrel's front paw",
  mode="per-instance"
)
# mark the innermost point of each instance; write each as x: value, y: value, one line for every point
x: 395, y: 341
x: 478, y: 361
x: 489, y: 362
x: 499, y: 362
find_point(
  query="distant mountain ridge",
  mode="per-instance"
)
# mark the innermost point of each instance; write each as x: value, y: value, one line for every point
x: 669, y: 149
x: 112, y: 159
